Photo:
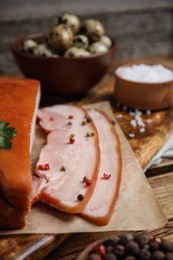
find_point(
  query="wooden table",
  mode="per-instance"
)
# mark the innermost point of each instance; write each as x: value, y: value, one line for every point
x: 160, y: 178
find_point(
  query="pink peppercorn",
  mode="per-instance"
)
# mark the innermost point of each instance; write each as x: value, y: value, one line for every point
x: 44, y: 167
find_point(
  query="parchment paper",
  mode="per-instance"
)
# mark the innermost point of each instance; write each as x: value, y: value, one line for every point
x: 136, y: 208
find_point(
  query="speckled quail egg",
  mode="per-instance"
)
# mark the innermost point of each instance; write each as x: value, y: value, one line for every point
x: 43, y: 50
x: 28, y: 46
x: 60, y: 37
x: 81, y: 41
x: 106, y: 40
x: 76, y: 52
x: 69, y: 19
x: 97, y: 47
x: 93, y: 29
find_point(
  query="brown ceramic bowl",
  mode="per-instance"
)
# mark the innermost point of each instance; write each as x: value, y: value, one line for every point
x: 62, y: 76
x: 153, y: 96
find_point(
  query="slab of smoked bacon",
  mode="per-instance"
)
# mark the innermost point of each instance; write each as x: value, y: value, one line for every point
x: 19, y: 100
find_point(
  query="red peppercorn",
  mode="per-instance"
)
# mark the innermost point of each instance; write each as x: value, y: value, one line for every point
x: 51, y: 118
x: 106, y: 176
x: 101, y: 250
x: 71, y: 140
x: 88, y: 182
x: 40, y: 167
x: 71, y: 117
x: 44, y: 167
x: 151, y: 238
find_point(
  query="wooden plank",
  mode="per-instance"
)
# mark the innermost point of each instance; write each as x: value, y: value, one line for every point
x: 151, y: 172
x: 29, y: 246
x: 130, y: 24
x: 20, y: 9
x: 163, y: 188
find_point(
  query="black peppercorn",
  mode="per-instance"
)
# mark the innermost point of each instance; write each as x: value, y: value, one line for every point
x: 111, y: 256
x: 109, y: 249
x: 168, y: 256
x: 144, y: 254
x: 153, y: 246
x: 113, y: 241
x: 132, y: 248
x: 166, y: 246
x: 119, y: 250
x: 63, y: 168
x: 124, y: 239
x: 83, y: 122
x: 130, y: 257
x: 142, y: 239
x: 88, y: 119
x: 158, y: 255
x: 80, y: 197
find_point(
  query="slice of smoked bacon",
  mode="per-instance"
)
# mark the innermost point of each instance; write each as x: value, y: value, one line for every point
x: 102, y: 203
x: 71, y: 153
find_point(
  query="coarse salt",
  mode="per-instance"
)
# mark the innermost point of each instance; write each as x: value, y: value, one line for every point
x: 139, y: 121
x: 131, y: 135
x: 133, y: 123
x: 132, y: 113
x: 142, y: 129
x: 148, y: 112
x: 145, y: 73
x: 119, y: 116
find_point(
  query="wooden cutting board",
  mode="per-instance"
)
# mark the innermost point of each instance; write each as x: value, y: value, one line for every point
x: 145, y: 145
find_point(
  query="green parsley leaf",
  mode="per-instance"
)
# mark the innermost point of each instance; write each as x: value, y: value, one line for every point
x: 6, y: 133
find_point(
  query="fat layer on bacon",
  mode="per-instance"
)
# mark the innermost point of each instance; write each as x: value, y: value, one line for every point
x: 102, y: 203
x: 71, y: 153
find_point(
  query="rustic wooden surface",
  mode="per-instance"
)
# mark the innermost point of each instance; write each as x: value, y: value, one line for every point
x: 145, y: 146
